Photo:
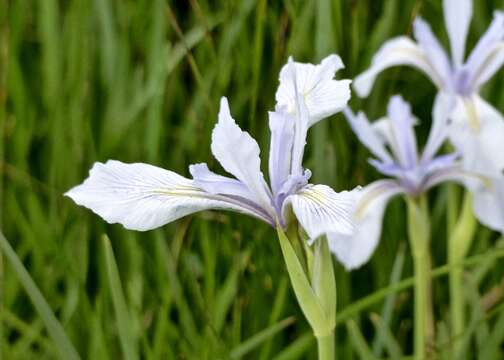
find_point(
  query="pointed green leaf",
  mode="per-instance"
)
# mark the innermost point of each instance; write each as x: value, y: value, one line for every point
x: 307, y: 299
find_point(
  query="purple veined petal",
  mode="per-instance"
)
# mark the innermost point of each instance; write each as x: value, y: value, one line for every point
x: 404, y: 139
x: 488, y: 55
x: 477, y: 132
x: 321, y: 211
x: 443, y: 106
x: 355, y: 249
x: 433, y: 51
x: 387, y: 168
x: 238, y: 153
x: 440, y: 162
x: 457, y: 15
x: 324, y: 95
x: 144, y: 197
x: 281, y: 125
x: 396, y: 52
x: 411, y: 179
x: 292, y: 185
x: 367, y: 134
x: 218, y: 184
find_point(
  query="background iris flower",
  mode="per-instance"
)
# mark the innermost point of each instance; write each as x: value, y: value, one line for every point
x: 393, y: 142
x: 478, y: 129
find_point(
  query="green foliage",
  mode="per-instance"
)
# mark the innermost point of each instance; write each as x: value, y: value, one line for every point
x: 139, y: 81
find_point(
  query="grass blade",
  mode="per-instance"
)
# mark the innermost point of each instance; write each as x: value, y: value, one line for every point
x: 358, y: 341
x: 260, y: 337
x: 126, y: 337
x: 54, y: 328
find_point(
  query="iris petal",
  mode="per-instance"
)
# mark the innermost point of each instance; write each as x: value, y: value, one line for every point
x: 143, y: 197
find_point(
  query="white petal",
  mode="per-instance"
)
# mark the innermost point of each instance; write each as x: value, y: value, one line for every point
x: 477, y: 132
x: 395, y: 52
x: 367, y: 134
x: 320, y: 210
x: 488, y: 55
x: 488, y: 204
x: 457, y: 14
x: 281, y: 126
x: 433, y: 50
x: 238, y: 153
x: 143, y: 197
x: 443, y: 105
x: 324, y: 96
x: 354, y: 250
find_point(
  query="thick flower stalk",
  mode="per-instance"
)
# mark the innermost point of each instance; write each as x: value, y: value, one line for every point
x: 393, y: 142
x: 143, y: 197
x: 477, y: 127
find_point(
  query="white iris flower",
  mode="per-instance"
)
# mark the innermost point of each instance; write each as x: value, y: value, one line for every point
x: 143, y: 197
x: 392, y: 142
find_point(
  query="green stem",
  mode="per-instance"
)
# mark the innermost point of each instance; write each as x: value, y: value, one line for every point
x: 459, y: 242
x: 419, y: 235
x: 326, y: 347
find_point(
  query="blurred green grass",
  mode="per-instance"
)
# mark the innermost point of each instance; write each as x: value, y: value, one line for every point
x: 139, y: 81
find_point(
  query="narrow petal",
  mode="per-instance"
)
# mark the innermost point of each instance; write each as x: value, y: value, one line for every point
x: 281, y: 125
x: 238, y: 153
x: 441, y: 162
x: 443, y: 105
x: 324, y: 96
x: 455, y: 173
x: 396, y: 52
x: 353, y: 250
x: 320, y: 210
x: 143, y: 197
x: 404, y: 139
x: 218, y: 184
x: 433, y: 50
x: 300, y: 131
x: 457, y: 14
x: 367, y: 134
x: 488, y: 55
x: 477, y: 132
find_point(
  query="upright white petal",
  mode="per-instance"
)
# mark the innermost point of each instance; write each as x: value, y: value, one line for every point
x: 238, y: 153
x: 324, y: 95
x: 396, y: 52
x: 281, y: 126
x: 443, y: 105
x: 433, y: 50
x: 477, y: 132
x: 457, y: 14
x: 353, y: 250
x: 143, y: 197
x: 368, y: 135
x: 320, y: 210
x: 488, y: 55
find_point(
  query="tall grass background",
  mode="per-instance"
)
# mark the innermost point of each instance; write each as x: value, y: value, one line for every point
x: 140, y: 81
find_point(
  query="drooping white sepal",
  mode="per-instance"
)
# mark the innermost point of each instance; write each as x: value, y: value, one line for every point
x: 355, y: 249
x: 144, y: 197
x: 322, y: 211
